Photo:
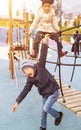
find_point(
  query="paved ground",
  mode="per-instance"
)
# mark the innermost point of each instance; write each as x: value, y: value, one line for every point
x: 28, y: 115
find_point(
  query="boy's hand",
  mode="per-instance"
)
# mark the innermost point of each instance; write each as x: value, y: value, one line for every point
x: 45, y: 39
x: 15, y: 107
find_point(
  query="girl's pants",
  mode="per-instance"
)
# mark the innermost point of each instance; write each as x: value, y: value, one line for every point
x: 40, y: 35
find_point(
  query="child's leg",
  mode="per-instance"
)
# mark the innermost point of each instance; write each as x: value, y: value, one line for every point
x: 47, y: 107
x: 37, y: 40
x: 49, y: 103
x: 43, y: 115
x: 60, y: 52
x: 59, y: 44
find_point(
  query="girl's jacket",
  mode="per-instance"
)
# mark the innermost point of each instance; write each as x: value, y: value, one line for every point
x: 43, y: 80
x: 45, y: 22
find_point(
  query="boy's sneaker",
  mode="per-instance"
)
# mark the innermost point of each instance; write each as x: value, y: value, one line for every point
x: 59, y: 119
x: 63, y: 53
x: 42, y: 128
x: 33, y: 55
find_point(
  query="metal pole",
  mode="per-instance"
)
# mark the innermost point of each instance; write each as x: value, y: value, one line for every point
x: 59, y: 60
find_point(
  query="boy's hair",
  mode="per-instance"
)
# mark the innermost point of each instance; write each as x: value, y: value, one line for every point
x: 47, y: 1
x: 27, y: 63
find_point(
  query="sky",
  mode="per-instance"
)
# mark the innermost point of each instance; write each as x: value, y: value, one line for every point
x: 72, y: 5
x: 67, y: 5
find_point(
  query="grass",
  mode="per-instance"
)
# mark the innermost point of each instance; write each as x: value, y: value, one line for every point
x: 66, y: 36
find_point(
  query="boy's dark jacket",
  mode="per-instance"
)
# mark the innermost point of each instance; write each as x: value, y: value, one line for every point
x: 43, y: 80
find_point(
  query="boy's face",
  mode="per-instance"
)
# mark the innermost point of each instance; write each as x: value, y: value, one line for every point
x: 46, y: 7
x: 29, y: 72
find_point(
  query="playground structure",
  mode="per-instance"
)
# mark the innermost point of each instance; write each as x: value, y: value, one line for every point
x: 23, y: 47
x: 20, y: 45
x: 16, y: 36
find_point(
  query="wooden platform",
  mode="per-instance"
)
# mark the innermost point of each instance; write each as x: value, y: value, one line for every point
x: 22, y: 54
x: 72, y: 99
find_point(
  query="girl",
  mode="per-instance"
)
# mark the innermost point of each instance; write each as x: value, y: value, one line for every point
x: 46, y: 23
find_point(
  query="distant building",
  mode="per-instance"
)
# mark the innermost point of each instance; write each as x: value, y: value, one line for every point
x: 69, y: 20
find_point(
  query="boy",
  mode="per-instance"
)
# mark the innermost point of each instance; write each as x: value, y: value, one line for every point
x: 47, y: 86
x: 45, y: 22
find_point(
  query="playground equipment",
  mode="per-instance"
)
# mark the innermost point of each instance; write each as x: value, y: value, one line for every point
x: 18, y: 47
x: 25, y: 47
x: 75, y: 56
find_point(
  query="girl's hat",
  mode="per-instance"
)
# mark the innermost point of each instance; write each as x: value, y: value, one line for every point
x: 47, y: 1
x: 27, y: 63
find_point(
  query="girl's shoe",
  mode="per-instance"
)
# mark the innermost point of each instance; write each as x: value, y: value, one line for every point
x: 63, y: 53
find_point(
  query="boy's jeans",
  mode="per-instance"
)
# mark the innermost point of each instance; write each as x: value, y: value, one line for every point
x: 47, y: 104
